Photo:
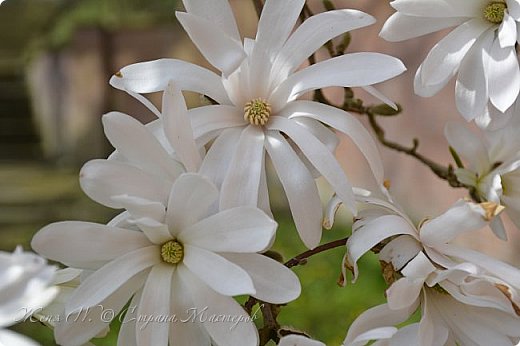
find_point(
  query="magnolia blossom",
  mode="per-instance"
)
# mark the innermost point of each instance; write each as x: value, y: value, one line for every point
x: 298, y: 340
x: 258, y: 111
x: 176, y: 261
x: 480, y: 50
x: 493, y: 166
x: 459, y: 306
x: 25, y: 287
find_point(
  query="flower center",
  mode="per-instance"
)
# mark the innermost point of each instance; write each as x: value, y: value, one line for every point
x: 172, y: 252
x: 494, y: 12
x: 257, y: 111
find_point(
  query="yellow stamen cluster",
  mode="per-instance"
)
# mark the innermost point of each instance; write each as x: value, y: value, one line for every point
x: 257, y: 112
x: 494, y: 12
x: 172, y: 252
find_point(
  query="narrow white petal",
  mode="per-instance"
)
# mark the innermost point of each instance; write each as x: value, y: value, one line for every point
x: 8, y: 337
x: 440, y: 8
x: 237, y: 332
x: 127, y: 332
x: 300, y: 189
x: 498, y: 228
x: 191, y: 197
x: 319, y: 156
x: 461, y: 218
x: 513, y: 8
x: 400, y: 27
x: 507, y: 31
x: 242, y: 181
x: 344, y: 122
x: 432, y: 330
x: 445, y: 57
x: 349, y: 70
x: 118, y: 83
x: 221, y: 50
x: 85, y: 245
x: 216, y: 11
x: 403, y: 293
x: 400, y: 251
x: 469, y: 146
x: 218, y: 159
x: 105, y: 281
x: 374, y: 318
x: 139, y: 146
x: 374, y: 232
x: 157, y: 232
x: 217, y: 272
x: 263, y: 193
x: 240, y: 229
x: 504, y: 76
x: 178, y: 129
x: 101, y: 180
x: 155, y: 302
x: 207, y: 119
x: 471, y: 89
x: 274, y: 283
x: 314, y: 33
x: 151, y: 76
x: 298, y: 340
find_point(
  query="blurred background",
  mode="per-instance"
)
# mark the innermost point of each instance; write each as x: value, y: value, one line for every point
x: 56, y: 57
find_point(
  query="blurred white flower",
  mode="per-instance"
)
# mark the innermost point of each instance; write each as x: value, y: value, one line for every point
x: 481, y: 49
x: 24, y: 287
x: 174, y: 261
x: 258, y: 111
x: 298, y: 340
x: 492, y: 166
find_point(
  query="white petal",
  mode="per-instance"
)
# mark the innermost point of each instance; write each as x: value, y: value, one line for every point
x: 300, y: 189
x: 469, y: 146
x: 274, y: 283
x: 504, y: 76
x: 263, y: 193
x: 127, y: 332
x: 319, y: 156
x: 188, y: 328
x: 138, y: 145
x: 314, y: 33
x: 239, y: 332
x: 432, y: 330
x: 155, y: 302
x: 242, y: 181
x: 498, y: 228
x: 298, y: 340
x: 471, y: 89
x: 8, y: 337
x: 376, y: 317
x: 276, y: 23
x: 403, y: 293
x: 513, y: 7
x: 217, y: 272
x: 101, y: 180
x: 349, y: 70
x: 105, y: 281
x: 191, y: 197
x: 445, y: 57
x: 151, y: 76
x: 461, y: 218
x: 217, y: 11
x: 157, y: 232
x: 215, y: 117
x: 439, y: 8
x: 118, y: 83
x: 178, y: 129
x: 507, y: 31
x: 216, y: 163
x: 241, y: 229
x: 344, y: 122
x: 221, y: 50
x: 400, y: 27
x: 85, y: 245
x: 400, y: 251
x: 140, y: 207
x: 374, y: 232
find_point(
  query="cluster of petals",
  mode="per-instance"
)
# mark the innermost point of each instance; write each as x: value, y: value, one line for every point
x: 257, y: 111
x: 492, y: 166
x: 131, y: 259
x: 480, y: 50
x: 25, y: 287
x: 465, y: 297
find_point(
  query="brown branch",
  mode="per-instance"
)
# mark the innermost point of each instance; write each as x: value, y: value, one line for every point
x: 302, y: 258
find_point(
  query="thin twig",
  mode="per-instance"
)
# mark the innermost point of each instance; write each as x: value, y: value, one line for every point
x: 302, y: 258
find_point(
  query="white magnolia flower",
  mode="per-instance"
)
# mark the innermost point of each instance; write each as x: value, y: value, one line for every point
x: 24, y: 288
x: 298, y: 340
x: 492, y: 166
x: 180, y: 261
x: 458, y: 307
x: 258, y: 111
x: 480, y: 50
